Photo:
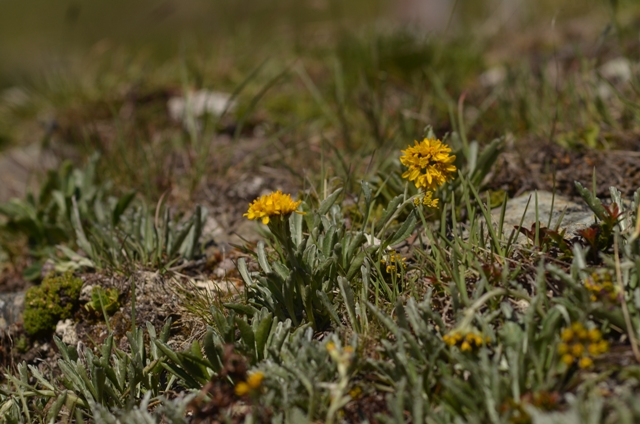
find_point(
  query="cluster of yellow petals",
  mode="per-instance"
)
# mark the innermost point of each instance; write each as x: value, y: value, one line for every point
x: 601, y: 288
x: 581, y: 345
x: 393, y: 261
x: 430, y: 164
x: 466, y: 342
x: 254, y: 381
x: 272, y: 204
x: 426, y: 200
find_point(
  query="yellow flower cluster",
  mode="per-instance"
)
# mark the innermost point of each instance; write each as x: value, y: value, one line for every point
x: 254, y: 381
x: 581, y: 345
x: 393, y: 261
x: 355, y: 392
x: 601, y: 288
x: 272, y: 204
x: 430, y: 164
x: 332, y: 348
x: 427, y: 200
x: 466, y: 342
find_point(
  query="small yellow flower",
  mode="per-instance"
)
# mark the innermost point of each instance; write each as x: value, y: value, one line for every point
x: 467, y: 341
x: 601, y: 287
x: 577, y: 326
x: 393, y: 262
x: 272, y: 204
x: 595, y: 335
x: 567, y: 359
x: 474, y: 339
x: 426, y: 200
x: 331, y: 346
x: 577, y: 350
x: 582, y: 334
x: 603, y: 347
x: 585, y: 362
x: 242, y: 388
x: 355, y: 392
x: 255, y: 380
x: 563, y: 348
x: 567, y: 335
x: 430, y: 164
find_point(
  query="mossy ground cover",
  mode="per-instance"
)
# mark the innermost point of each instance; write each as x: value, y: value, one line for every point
x: 360, y: 298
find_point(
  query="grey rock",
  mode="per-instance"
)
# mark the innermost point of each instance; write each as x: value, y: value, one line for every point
x: 11, y: 308
x: 575, y: 216
x: 66, y: 330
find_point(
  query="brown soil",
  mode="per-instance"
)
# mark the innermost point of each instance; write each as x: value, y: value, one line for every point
x: 534, y: 168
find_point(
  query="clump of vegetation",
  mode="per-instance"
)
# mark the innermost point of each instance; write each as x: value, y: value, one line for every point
x: 388, y: 294
x: 53, y: 300
x: 101, y: 299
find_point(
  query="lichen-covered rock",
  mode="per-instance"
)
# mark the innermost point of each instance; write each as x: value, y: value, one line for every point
x: 575, y: 215
x: 53, y: 300
x: 66, y: 330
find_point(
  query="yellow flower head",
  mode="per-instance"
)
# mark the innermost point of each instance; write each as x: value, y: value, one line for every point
x: 567, y: 359
x: 355, y: 392
x: 585, y: 362
x: 393, y: 261
x: 430, y: 164
x: 567, y: 335
x: 595, y: 335
x: 255, y: 380
x: 242, y: 388
x: 563, y: 348
x: 427, y: 200
x: 577, y: 349
x: 467, y: 342
x: 270, y: 205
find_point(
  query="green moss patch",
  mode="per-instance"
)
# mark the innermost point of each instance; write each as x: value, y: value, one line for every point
x: 53, y: 300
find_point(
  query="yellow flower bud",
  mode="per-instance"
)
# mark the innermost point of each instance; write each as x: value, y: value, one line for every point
x: 563, y: 348
x: 585, y: 362
x: 567, y: 335
x: 465, y: 347
x: 242, y: 388
x: 567, y: 359
x: 255, y: 380
x: 595, y: 335
x: 355, y: 392
x: 577, y: 350
x: 603, y: 346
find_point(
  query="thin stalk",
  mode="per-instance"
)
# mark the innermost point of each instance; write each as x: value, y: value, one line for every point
x: 623, y: 302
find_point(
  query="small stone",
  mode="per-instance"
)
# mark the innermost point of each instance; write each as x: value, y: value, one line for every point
x: 85, y: 293
x: 212, y: 228
x: 198, y: 104
x: 66, y: 330
x: 493, y: 76
x: 618, y: 69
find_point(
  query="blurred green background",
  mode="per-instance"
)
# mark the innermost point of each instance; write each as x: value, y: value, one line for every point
x: 38, y: 35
